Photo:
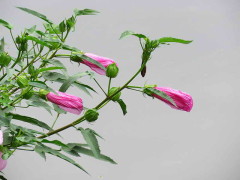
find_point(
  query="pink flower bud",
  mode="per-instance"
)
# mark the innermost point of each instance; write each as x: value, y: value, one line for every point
x: 3, y: 163
x: 102, y: 60
x: 67, y: 102
x: 182, y: 100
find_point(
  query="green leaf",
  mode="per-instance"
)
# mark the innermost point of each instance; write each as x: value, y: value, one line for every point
x: 2, y: 44
x: 4, y: 121
x: 83, y: 87
x: 52, y: 76
x: 170, y: 39
x: 41, y: 85
x: 55, y: 142
x: 38, y: 102
x: 161, y: 94
x: 68, y: 82
x: 128, y: 33
x: 79, y: 148
x: 91, y: 140
x: 49, y: 69
x: 37, y: 14
x: 57, y: 63
x: 66, y: 47
x: 6, y: 24
x: 123, y: 106
x: 2, y: 177
x: 26, y: 131
x: 78, y: 12
x: 46, y: 149
x: 30, y: 120
x: 39, y: 41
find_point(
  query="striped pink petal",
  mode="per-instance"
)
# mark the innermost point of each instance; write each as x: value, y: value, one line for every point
x: 67, y: 102
x: 103, y: 60
x: 182, y: 100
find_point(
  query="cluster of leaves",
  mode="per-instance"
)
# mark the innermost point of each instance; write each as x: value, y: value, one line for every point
x: 37, y: 64
x: 22, y: 78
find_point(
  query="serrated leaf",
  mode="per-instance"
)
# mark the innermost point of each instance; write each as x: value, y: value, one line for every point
x: 170, y: 39
x: 55, y: 142
x: 78, y: 12
x: 6, y: 24
x: 68, y: 82
x: 30, y: 120
x: 79, y: 148
x: 123, y: 106
x: 35, y: 13
x: 54, y: 152
x: 91, y: 140
x: 128, y: 33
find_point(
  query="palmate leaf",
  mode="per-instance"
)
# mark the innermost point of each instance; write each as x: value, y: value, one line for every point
x: 91, y: 140
x: 78, y: 12
x: 81, y: 148
x: 170, y: 39
x: 45, y: 149
x: 6, y: 24
x: 68, y: 82
x: 30, y: 120
x: 37, y: 14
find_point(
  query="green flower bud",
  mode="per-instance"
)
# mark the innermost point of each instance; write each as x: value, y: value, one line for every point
x: 22, y: 81
x: 43, y: 93
x: 75, y: 58
x: 5, y: 59
x: 112, y: 70
x: 91, y: 115
x: 112, y: 91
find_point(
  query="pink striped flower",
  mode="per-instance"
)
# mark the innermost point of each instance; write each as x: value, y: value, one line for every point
x: 182, y: 100
x: 3, y: 163
x: 102, y: 60
x: 67, y: 102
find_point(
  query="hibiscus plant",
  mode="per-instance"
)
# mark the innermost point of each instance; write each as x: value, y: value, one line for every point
x: 26, y: 79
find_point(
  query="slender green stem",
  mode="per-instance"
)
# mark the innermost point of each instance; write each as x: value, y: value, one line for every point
x: 13, y: 39
x: 134, y: 87
x: 55, y: 120
x: 100, y: 105
x: 109, y: 84
x: 100, y: 86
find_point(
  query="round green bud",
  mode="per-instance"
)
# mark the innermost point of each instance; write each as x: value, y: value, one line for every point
x: 112, y: 70
x: 22, y: 81
x: 91, y: 115
x: 43, y: 93
x: 112, y: 91
x: 5, y: 59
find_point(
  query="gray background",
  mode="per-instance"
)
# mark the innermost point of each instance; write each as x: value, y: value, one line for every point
x: 152, y: 141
